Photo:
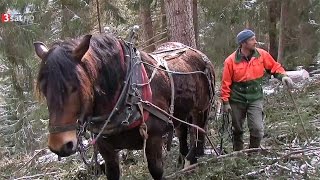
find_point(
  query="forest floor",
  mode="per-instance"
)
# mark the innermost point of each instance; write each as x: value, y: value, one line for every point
x: 285, y: 154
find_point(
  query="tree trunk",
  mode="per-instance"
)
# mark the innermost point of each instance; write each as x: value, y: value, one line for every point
x: 93, y: 13
x: 163, y: 20
x: 64, y: 20
x: 282, y: 27
x: 195, y: 20
x: 147, y: 28
x: 180, y: 22
x: 272, y: 9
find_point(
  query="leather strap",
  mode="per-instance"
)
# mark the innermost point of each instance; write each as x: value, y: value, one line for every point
x: 62, y: 128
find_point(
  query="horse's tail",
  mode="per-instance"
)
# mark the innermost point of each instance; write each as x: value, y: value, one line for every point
x: 210, y: 73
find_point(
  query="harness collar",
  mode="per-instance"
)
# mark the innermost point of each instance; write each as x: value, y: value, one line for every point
x: 125, y: 113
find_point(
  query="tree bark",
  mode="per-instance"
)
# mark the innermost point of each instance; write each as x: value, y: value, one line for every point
x: 93, y: 13
x: 64, y: 20
x: 282, y: 27
x: 163, y: 20
x: 272, y: 9
x: 147, y: 27
x: 195, y: 20
x: 180, y: 22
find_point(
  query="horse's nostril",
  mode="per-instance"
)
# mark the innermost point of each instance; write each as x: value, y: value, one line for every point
x: 66, y: 150
x: 69, y: 145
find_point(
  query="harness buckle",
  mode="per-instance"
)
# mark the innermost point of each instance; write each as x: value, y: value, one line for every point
x: 126, y: 121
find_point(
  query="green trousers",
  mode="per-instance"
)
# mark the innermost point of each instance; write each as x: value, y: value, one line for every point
x: 253, y: 112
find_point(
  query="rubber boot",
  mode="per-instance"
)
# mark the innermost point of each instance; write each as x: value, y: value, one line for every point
x: 254, y: 142
x: 237, y: 142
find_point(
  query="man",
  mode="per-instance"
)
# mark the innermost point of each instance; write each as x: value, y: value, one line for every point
x: 241, y: 91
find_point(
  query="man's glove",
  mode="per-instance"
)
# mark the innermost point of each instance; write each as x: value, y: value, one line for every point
x: 287, y: 81
x: 226, y: 107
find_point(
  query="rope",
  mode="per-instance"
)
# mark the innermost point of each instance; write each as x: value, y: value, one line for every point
x: 174, y: 72
x: 177, y: 119
x: 143, y: 132
x: 299, y: 115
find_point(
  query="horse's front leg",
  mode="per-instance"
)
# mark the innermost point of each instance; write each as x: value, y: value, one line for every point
x: 111, y: 158
x: 154, y: 156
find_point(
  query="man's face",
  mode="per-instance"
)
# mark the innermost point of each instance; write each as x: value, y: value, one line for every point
x: 250, y: 43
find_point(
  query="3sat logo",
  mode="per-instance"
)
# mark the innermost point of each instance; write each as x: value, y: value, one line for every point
x: 5, y: 18
x: 21, y: 18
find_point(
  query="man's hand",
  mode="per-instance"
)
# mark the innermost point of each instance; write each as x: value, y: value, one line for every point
x: 287, y: 81
x: 226, y: 107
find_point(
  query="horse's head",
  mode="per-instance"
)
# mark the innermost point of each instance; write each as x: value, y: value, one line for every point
x: 67, y: 88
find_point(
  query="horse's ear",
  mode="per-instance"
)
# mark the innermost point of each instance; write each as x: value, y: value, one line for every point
x: 82, y: 48
x: 41, y: 49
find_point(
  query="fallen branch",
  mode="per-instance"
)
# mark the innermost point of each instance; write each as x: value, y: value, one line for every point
x: 283, y: 167
x: 212, y: 145
x: 214, y: 159
x: 237, y: 153
x: 299, y: 151
x: 25, y: 164
x: 193, y: 166
x: 36, y: 175
x: 4, y: 177
x: 264, y: 169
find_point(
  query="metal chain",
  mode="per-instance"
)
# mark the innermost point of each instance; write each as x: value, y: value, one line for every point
x: 92, y: 163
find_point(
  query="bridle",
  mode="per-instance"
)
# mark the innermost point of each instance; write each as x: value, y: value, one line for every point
x: 62, y: 128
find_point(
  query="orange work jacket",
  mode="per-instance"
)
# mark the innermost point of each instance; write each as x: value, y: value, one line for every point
x: 242, y: 79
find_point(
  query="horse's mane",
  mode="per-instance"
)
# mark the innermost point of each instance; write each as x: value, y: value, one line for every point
x: 98, y: 72
x: 102, y: 63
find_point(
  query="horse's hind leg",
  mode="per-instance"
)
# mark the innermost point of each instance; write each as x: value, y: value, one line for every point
x: 197, y: 139
x: 154, y: 156
x: 202, y: 122
x: 182, y: 134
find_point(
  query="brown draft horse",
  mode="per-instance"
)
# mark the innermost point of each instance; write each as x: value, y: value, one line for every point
x: 84, y: 77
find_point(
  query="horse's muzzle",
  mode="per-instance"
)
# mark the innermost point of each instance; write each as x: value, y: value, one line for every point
x: 66, y: 150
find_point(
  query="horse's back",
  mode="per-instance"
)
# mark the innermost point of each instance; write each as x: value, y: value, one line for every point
x: 191, y: 90
x: 181, y: 58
